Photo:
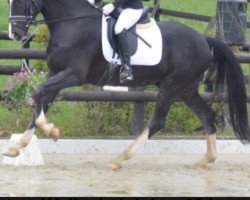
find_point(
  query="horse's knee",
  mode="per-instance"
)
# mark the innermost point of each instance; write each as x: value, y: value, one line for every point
x: 38, y: 93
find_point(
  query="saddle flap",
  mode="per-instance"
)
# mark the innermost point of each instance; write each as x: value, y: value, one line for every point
x: 145, y: 42
x: 133, y: 43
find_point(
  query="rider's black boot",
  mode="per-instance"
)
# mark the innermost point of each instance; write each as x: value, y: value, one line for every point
x: 126, y: 73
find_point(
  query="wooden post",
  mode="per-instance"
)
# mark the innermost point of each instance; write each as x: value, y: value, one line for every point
x: 157, y: 11
x: 25, y: 45
x: 139, y: 114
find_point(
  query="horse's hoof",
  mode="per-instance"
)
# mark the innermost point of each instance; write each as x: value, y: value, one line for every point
x: 199, y: 165
x: 188, y: 166
x: 114, y: 166
x: 55, y: 134
x: 12, y: 152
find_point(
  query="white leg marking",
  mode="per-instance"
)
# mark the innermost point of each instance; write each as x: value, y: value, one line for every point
x: 41, y: 122
x: 26, y: 137
x: 116, y: 163
x: 137, y: 143
x: 49, y: 128
x: 23, y: 142
x: 211, y: 154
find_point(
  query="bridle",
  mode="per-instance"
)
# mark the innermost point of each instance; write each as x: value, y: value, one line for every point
x: 30, y: 12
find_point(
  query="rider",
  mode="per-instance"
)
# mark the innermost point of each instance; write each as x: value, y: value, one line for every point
x: 131, y: 11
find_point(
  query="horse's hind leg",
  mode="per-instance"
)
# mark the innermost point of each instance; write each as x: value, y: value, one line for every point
x: 207, y: 116
x: 163, y: 103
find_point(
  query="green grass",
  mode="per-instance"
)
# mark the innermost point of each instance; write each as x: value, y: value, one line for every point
x: 202, y: 7
x: 4, y: 15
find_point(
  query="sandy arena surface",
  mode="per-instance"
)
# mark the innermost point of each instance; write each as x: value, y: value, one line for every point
x: 144, y: 175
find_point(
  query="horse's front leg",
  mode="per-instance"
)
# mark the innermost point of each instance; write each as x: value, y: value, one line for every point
x: 14, y: 151
x: 44, y: 96
x: 48, y: 128
x: 52, y: 87
x: 27, y: 135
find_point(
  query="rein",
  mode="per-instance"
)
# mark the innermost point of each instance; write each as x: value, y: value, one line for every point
x: 62, y: 19
x: 29, y: 16
x: 67, y: 18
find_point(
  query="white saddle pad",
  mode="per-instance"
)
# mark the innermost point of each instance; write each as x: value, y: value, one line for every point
x: 144, y: 55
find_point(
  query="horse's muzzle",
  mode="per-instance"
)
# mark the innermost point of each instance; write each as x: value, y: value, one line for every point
x: 18, y: 33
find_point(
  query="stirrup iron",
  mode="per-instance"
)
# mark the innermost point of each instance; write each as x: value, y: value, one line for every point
x: 126, y: 74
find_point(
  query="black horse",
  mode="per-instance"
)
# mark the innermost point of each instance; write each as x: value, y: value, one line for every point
x: 75, y: 57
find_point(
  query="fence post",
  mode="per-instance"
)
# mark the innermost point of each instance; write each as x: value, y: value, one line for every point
x: 25, y: 45
x: 157, y: 10
x: 25, y: 62
x: 139, y: 114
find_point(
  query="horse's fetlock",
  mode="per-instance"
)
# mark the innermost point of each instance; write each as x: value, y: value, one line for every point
x: 23, y: 143
x: 211, y: 157
x: 128, y: 154
x: 40, y: 121
x: 47, y: 128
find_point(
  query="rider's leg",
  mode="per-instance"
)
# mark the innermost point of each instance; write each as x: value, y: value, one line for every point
x: 126, y: 20
x: 126, y: 73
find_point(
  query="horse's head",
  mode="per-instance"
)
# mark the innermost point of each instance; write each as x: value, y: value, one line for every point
x: 22, y: 15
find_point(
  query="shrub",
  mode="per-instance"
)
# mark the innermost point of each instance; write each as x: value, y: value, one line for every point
x: 20, y: 88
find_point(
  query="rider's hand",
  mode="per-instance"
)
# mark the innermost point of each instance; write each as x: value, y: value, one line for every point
x: 91, y: 2
x: 107, y: 9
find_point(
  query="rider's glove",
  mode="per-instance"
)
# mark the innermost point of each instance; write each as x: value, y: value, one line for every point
x: 107, y: 9
x: 91, y: 2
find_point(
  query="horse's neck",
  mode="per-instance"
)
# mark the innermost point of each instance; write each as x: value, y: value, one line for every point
x: 59, y: 9
x: 63, y: 9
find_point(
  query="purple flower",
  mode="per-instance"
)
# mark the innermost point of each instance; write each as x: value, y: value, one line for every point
x: 20, y: 75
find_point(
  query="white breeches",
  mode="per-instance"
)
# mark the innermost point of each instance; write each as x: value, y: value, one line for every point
x: 127, y: 19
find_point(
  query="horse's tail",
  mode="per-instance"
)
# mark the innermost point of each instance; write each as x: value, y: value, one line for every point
x: 229, y: 71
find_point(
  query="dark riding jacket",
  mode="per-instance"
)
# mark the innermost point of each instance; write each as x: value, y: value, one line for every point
x: 134, y: 4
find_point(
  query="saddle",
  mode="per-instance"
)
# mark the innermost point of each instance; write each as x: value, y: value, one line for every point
x: 131, y: 33
x: 145, y: 43
x: 145, y: 40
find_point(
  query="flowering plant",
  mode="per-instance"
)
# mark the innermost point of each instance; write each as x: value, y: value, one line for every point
x: 20, y: 88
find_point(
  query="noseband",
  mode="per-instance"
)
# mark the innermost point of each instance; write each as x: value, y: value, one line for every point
x: 30, y: 13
